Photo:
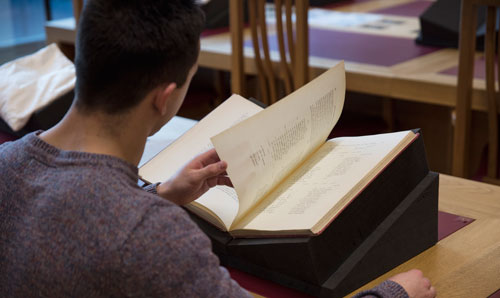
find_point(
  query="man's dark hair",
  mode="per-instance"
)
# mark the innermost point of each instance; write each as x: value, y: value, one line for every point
x: 126, y: 48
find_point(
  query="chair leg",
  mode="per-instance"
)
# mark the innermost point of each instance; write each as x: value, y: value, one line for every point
x: 220, y: 87
x: 491, y: 93
x: 68, y: 50
x: 48, y: 11
x: 492, y: 179
x: 388, y: 113
x: 467, y: 42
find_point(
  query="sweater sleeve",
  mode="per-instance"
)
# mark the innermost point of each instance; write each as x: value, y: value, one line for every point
x: 166, y: 255
x: 151, y: 188
x: 387, y: 289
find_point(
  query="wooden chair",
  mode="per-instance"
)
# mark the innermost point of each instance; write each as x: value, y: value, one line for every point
x: 63, y: 32
x: 292, y: 69
x: 77, y: 10
x: 467, y: 43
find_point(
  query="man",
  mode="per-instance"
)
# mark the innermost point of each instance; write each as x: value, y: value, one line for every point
x: 73, y: 221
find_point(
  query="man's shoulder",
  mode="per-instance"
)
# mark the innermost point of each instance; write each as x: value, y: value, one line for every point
x: 11, y: 150
x: 14, y: 159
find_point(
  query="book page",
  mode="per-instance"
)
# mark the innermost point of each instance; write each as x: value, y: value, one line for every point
x: 170, y: 132
x: 262, y: 150
x: 221, y: 200
x: 326, y: 182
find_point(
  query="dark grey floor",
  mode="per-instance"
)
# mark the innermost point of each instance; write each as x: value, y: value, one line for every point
x: 13, y: 52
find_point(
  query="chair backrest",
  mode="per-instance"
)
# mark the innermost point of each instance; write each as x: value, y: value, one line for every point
x: 292, y: 40
x: 467, y: 47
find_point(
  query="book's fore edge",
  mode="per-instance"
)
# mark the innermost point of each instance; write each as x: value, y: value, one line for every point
x: 195, y: 208
x: 416, y: 136
x: 218, y: 238
x: 187, y: 131
x: 257, y: 102
x: 253, y: 234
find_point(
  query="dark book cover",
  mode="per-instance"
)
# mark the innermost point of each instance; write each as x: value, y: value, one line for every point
x: 393, y: 219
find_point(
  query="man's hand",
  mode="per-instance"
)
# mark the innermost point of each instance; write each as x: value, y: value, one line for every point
x: 199, y: 175
x: 415, y: 284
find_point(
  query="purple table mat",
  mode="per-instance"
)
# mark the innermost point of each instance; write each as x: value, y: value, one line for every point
x: 479, y: 69
x: 209, y: 32
x: 5, y: 137
x: 495, y: 295
x: 450, y: 223
x: 359, y: 47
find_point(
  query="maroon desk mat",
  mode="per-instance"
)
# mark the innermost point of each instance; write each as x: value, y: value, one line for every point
x: 343, y: 3
x: 209, y: 32
x: 450, y: 223
x: 479, y: 69
x: 495, y: 295
x: 359, y: 47
x: 264, y: 287
x: 411, y: 9
x: 447, y: 224
x: 5, y: 137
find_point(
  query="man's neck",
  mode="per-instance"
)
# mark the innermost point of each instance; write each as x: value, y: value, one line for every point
x: 120, y: 136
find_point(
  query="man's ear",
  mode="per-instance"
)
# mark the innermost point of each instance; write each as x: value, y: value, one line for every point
x: 162, y: 98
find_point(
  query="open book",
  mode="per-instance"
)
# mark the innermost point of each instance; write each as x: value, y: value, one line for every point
x: 288, y: 179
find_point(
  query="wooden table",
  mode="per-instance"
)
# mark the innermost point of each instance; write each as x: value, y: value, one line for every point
x: 380, y: 55
x: 379, y: 52
x: 464, y: 264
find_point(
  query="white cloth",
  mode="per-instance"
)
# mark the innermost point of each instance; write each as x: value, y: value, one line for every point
x: 32, y: 82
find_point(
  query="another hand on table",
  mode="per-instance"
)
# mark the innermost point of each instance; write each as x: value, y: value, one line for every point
x: 195, y: 178
x: 415, y: 284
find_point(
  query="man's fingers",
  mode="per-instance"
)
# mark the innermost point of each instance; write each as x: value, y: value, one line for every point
x: 212, y: 170
x: 208, y: 157
x: 432, y: 291
x: 426, y: 282
x: 219, y: 180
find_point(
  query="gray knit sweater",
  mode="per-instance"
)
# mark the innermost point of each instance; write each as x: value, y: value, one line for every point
x: 76, y: 224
